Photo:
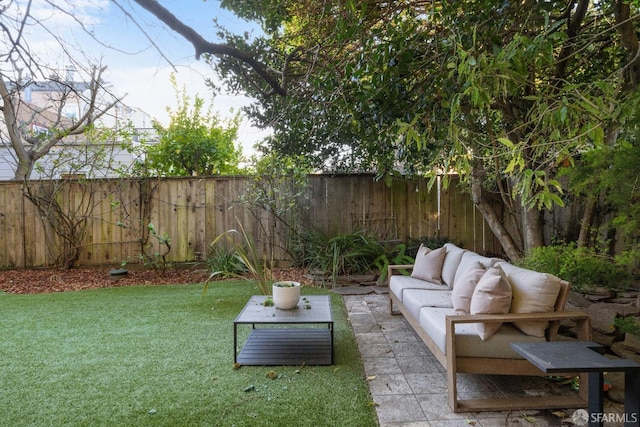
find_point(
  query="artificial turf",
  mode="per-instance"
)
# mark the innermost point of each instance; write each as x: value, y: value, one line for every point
x: 162, y: 356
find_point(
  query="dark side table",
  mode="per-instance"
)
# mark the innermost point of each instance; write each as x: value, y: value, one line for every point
x: 301, y: 336
x: 582, y: 356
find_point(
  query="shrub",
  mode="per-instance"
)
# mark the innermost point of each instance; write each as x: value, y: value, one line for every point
x: 579, y: 266
x: 627, y: 325
x: 225, y: 260
x: 347, y: 254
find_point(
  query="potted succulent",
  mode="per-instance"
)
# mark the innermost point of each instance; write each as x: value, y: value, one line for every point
x: 286, y: 294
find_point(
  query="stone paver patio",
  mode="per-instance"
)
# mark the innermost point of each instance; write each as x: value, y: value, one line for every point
x: 409, y: 386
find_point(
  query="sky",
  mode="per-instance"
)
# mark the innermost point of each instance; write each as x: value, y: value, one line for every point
x: 135, y: 67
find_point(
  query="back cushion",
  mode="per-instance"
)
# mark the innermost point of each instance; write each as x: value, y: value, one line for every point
x: 492, y: 295
x: 461, y: 294
x: 428, y: 264
x: 469, y: 259
x: 533, y: 292
x: 451, y: 263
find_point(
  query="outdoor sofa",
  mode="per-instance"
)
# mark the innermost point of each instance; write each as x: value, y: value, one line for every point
x: 451, y: 290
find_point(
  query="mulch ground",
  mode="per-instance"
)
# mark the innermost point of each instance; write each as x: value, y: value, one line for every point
x: 54, y: 280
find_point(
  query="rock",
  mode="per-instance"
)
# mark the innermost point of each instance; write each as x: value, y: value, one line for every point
x: 602, y: 318
x: 616, y: 380
x: 353, y: 290
x: 622, y: 300
x: 356, y: 278
x: 597, y: 298
x: 605, y: 340
x: 577, y: 300
x: 618, y: 348
x: 629, y: 294
x: 623, y: 310
x: 631, y: 342
x: 598, y: 291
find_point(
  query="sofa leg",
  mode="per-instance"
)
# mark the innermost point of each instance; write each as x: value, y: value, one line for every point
x: 391, y: 312
x: 452, y: 390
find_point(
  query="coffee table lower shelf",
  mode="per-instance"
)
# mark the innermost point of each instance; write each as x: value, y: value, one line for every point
x: 287, y: 346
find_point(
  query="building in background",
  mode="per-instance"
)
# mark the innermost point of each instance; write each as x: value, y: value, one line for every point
x: 40, y: 105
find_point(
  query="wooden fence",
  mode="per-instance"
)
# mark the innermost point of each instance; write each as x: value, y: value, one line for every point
x: 112, y: 216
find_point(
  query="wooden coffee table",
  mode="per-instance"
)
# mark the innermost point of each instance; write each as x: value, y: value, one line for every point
x: 286, y: 337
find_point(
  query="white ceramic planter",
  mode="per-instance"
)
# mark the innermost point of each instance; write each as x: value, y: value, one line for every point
x: 286, y: 294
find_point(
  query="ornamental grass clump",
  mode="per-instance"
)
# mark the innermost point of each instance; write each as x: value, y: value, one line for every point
x: 256, y: 267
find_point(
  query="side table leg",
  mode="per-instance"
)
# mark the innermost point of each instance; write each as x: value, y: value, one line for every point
x: 235, y: 343
x: 595, y: 399
x: 631, y: 399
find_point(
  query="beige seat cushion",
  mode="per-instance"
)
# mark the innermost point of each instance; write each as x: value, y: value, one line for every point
x: 468, y: 343
x: 492, y: 295
x: 533, y: 292
x: 398, y: 283
x: 415, y: 299
x: 428, y: 264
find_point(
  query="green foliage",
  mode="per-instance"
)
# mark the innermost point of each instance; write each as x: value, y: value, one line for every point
x: 196, y: 142
x: 627, y: 325
x: 248, y: 254
x: 500, y: 93
x: 580, y: 266
x: 341, y: 254
x: 611, y: 173
x: 279, y: 190
x: 395, y: 255
x: 225, y: 260
x: 348, y: 254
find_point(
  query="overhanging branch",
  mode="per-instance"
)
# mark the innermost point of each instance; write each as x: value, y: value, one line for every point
x: 202, y: 46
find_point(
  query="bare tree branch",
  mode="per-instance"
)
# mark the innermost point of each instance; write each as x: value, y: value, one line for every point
x: 202, y: 46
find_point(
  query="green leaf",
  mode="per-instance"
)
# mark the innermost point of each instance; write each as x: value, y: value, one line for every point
x: 506, y: 142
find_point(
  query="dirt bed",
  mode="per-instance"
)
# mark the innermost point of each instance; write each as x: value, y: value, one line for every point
x: 52, y: 280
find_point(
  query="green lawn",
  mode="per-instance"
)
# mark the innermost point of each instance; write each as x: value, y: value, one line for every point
x: 162, y: 356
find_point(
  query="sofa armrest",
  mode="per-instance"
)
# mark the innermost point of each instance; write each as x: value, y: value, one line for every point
x: 582, y: 318
x: 396, y: 268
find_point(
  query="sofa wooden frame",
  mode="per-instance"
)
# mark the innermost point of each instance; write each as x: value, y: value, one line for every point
x: 478, y: 365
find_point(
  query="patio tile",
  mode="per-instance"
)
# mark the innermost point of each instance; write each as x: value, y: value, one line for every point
x: 368, y: 338
x: 407, y: 349
x: 399, y: 409
x: 420, y: 363
x: 436, y: 407
x: 427, y: 383
x: 401, y: 335
x: 407, y: 424
x: 389, y: 384
x: 376, y: 350
x: 381, y: 365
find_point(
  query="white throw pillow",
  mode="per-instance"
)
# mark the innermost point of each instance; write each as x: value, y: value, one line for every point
x: 428, y: 265
x: 462, y: 293
x: 492, y: 295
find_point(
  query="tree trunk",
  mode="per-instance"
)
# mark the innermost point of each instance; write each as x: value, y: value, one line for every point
x: 493, y: 219
x: 533, y: 227
x: 23, y: 170
x: 587, y: 221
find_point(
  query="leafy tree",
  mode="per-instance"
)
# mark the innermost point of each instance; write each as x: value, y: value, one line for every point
x: 501, y: 93
x: 196, y: 142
